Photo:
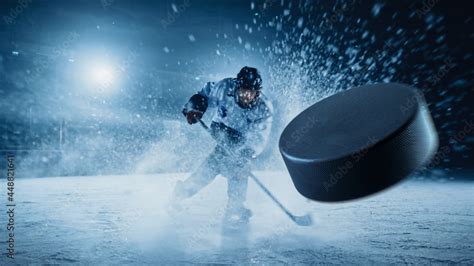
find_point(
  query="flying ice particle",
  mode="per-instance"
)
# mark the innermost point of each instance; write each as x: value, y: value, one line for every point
x: 252, y: 6
x: 174, y: 7
x: 191, y: 38
x: 247, y: 46
x: 300, y: 22
x: 166, y: 49
x: 440, y: 39
x: 376, y: 9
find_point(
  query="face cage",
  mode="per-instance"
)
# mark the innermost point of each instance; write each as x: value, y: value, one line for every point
x: 249, y: 105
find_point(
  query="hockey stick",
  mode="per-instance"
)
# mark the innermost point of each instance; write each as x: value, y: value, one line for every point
x: 304, y: 220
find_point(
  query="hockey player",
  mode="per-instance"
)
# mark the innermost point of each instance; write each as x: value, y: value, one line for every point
x: 241, y: 126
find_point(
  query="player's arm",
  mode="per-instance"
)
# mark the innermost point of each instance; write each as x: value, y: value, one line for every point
x: 197, y: 105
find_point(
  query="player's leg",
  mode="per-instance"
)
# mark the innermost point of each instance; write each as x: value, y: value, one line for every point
x: 200, y: 178
x: 237, y: 181
x: 237, y: 191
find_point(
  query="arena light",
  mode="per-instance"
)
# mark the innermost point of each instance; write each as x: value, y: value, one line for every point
x: 102, y: 77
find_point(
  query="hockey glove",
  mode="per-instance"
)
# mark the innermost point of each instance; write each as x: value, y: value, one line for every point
x: 192, y: 116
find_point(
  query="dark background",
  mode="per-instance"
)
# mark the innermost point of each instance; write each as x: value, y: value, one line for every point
x: 58, y: 122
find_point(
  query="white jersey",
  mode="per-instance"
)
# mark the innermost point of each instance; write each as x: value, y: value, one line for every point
x: 253, y: 123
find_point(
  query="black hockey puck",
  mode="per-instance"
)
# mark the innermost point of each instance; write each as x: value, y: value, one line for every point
x: 358, y: 142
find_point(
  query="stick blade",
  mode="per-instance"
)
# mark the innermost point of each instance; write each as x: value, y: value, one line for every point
x: 305, y: 220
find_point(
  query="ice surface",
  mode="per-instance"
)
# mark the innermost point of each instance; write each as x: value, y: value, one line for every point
x: 123, y: 219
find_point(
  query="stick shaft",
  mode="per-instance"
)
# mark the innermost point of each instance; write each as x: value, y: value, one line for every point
x: 265, y: 189
x: 203, y: 125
